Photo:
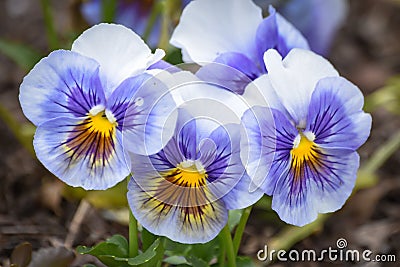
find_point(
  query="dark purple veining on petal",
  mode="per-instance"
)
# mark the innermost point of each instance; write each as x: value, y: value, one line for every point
x: 80, y: 102
x: 88, y: 141
x: 329, y: 122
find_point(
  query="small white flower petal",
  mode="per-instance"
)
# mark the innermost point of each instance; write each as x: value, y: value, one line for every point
x: 294, y: 78
x: 120, y: 52
x: 208, y: 28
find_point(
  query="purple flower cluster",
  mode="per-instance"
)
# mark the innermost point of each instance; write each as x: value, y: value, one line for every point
x: 262, y: 115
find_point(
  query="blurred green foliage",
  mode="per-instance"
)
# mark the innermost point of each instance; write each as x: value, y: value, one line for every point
x: 388, y: 97
x: 23, y: 55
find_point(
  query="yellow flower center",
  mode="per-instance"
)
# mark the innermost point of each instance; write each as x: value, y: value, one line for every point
x: 184, y: 188
x: 101, y: 124
x: 189, y: 174
x: 305, y: 153
x: 93, y: 139
x: 303, y: 149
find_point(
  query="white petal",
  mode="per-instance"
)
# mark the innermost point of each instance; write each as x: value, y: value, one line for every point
x: 120, y: 52
x: 294, y: 78
x: 208, y: 28
x: 261, y: 93
x: 174, y: 81
x: 157, y: 56
x: 206, y: 100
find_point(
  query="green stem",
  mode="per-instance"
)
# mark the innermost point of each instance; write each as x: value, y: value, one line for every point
x: 222, y: 252
x: 226, y: 239
x: 133, y: 234
x: 49, y: 22
x: 240, y: 229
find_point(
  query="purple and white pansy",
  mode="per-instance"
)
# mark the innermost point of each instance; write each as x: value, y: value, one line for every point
x: 79, y: 101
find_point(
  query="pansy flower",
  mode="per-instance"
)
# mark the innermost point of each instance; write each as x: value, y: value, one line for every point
x: 83, y: 100
x: 232, y: 33
x: 184, y: 191
x: 316, y: 126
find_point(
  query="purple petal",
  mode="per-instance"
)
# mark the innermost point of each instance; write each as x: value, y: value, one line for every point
x: 164, y: 65
x: 123, y: 95
x: 227, y: 173
x: 233, y: 71
x: 288, y: 36
x: 187, y: 137
x: 285, y: 136
x: 277, y: 33
x: 266, y: 142
x: 335, y: 115
x: 62, y: 84
x: 150, y: 118
x: 267, y: 34
x: 324, y: 186
x: 80, y: 154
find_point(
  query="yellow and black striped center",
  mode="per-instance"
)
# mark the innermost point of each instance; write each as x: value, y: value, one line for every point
x: 306, y: 155
x: 187, y: 174
x: 183, y: 188
x: 93, y: 139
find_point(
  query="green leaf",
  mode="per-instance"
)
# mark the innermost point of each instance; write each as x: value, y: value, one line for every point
x: 176, y: 260
x: 234, y: 218
x: 158, y: 248
x: 206, y: 251
x: 117, y: 246
x: 198, y: 254
x: 21, y: 54
x: 51, y: 33
x: 112, y: 261
x: 145, y: 257
x: 114, y: 253
x: 244, y: 262
x: 176, y: 249
x: 147, y: 238
x: 197, y: 262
